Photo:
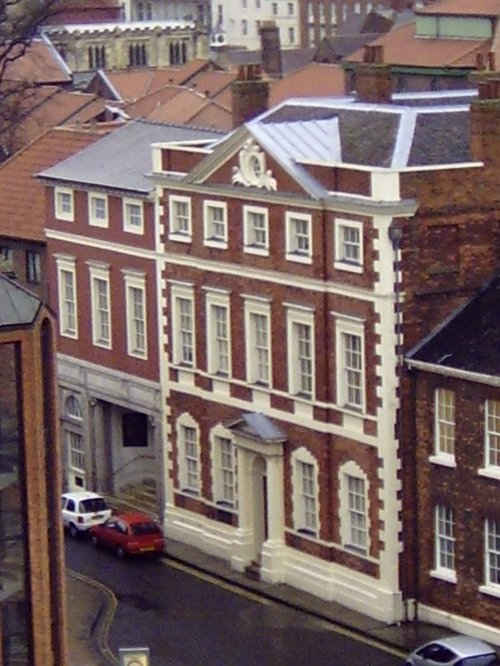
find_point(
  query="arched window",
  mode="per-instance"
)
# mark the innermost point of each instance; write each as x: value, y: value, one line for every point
x: 72, y: 407
x: 354, y: 508
x: 188, y: 454
x: 224, y: 468
x: 305, y: 492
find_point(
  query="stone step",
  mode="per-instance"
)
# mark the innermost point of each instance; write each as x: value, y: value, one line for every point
x: 253, y: 571
x: 140, y: 497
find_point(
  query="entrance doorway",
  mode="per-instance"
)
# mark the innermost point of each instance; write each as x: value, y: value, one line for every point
x: 260, y: 505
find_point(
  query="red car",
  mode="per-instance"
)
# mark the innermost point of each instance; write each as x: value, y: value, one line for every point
x: 129, y: 533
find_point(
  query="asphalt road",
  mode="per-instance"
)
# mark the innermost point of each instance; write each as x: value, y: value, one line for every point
x: 191, y: 619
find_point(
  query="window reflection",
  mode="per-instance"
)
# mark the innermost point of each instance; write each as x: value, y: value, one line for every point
x: 14, y: 606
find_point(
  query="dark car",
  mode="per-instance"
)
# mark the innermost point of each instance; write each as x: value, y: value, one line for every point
x: 131, y: 533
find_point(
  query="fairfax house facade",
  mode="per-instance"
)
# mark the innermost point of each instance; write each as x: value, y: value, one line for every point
x: 282, y: 359
x: 104, y: 264
x: 296, y: 257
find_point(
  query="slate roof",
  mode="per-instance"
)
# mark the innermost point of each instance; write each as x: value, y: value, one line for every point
x: 22, y: 202
x: 122, y: 160
x: 18, y: 306
x: 470, y: 339
x: 415, y: 131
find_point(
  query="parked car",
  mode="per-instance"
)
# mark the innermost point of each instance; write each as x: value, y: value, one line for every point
x: 130, y: 533
x: 454, y: 651
x: 82, y: 509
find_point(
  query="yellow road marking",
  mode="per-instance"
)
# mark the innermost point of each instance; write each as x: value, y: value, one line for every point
x: 208, y: 578
x: 108, y: 617
x: 362, y: 638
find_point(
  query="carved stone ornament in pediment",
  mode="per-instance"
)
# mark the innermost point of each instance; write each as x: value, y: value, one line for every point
x: 252, y: 170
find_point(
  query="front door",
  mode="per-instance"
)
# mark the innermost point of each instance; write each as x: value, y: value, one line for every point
x: 260, y: 517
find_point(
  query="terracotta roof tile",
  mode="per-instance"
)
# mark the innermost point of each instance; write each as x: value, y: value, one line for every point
x: 21, y: 194
x: 49, y: 106
x: 213, y: 116
x: 40, y: 64
x: 402, y: 47
x: 314, y: 80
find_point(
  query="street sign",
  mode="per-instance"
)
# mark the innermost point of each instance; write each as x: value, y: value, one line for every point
x: 138, y: 656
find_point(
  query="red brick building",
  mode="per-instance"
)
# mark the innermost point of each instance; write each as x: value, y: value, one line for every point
x: 32, y: 616
x: 457, y: 450
x: 304, y: 254
x: 104, y: 268
x: 322, y: 18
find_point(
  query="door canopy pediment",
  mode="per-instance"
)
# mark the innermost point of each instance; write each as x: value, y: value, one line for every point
x: 257, y: 432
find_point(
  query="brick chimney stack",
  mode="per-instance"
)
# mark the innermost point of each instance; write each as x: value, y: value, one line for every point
x: 485, y: 119
x: 373, y: 77
x: 250, y: 94
x: 271, y: 49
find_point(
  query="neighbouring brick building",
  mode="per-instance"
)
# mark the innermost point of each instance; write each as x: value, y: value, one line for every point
x: 456, y: 379
x: 297, y: 273
x: 23, y: 251
x: 32, y: 616
x: 322, y: 18
x: 104, y: 266
x: 440, y: 48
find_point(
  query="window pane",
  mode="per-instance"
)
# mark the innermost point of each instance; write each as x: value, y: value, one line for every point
x: 445, y: 422
x: 493, y: 433
x: 445, y: 540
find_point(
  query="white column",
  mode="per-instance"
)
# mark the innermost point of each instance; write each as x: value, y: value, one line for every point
x: 242, y: 543
x: 272, y: 567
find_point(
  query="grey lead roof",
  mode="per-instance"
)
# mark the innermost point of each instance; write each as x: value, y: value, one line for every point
x: 258, y: 426
x: 122, y: 159
x: 412, y: 131
x: 18, y: 306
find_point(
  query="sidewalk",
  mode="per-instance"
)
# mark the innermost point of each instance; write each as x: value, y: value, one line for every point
x: 91, y: 609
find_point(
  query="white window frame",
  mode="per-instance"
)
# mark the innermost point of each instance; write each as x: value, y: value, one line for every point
x: 300, y: 365
x: 212, y: 239
x: 346, y: 371
x: 59, y: 208
x: 293, y: 239
x: 176, y: 231
x: 188, y: 456
x: 101, y: 309
x: 342, y: 261
x: 137, y: 330
x: 183, y: 337
x: 491, y: 558
x: 250, y: 244
x: 492, y: 435
x: 68, y: 302
x: 444, y: 426
x: 254, y: 347
x: 444, y: 543
x: 128, y: 225
x: 218, y: 344
x: 305, y: 495
x: 354, y: 520
x: 224, y: 469
x: 95, y: 220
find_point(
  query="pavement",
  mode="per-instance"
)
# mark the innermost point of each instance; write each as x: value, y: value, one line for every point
x: 91, y: 609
